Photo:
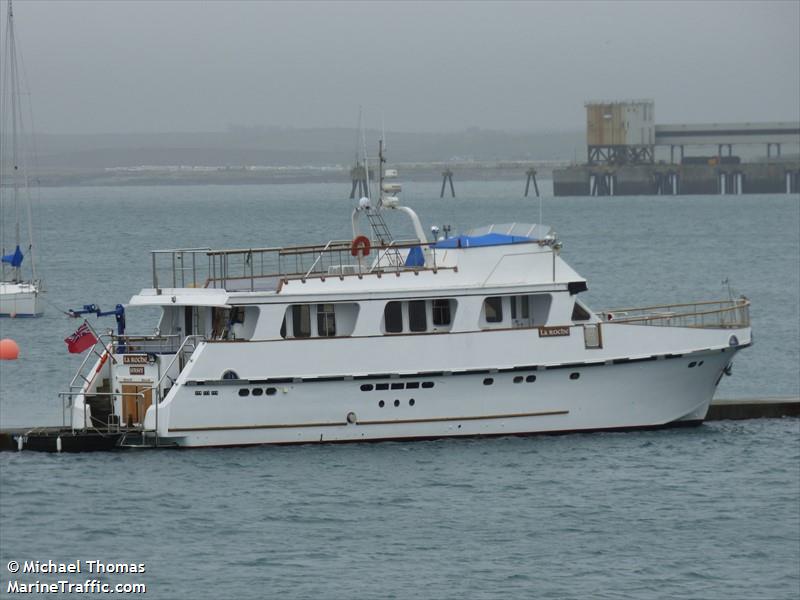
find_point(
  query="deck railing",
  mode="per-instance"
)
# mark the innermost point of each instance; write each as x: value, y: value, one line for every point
x: 262, y: 268
x: 713, y: 314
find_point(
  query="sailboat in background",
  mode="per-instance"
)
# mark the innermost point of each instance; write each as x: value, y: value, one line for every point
x: 20, y: 293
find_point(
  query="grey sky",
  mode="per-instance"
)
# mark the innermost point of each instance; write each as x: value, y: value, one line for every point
x: 198, y: 66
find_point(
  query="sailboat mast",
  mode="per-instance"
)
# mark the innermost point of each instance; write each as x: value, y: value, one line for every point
x: 12, y: 65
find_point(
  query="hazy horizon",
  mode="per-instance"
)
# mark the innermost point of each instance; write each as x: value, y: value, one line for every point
x: 519, y: 67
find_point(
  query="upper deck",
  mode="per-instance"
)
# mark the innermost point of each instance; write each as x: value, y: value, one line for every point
x: 510, y: 254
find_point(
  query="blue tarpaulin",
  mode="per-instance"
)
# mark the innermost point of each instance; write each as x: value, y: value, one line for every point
x: 15, y: 260
x: 415, y: 257
x: 490, y: 239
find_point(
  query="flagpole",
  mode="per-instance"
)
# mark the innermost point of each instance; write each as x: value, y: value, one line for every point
x: 97, y: 337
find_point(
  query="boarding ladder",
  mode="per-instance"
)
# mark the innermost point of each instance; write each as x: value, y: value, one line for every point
x: 383, y: 238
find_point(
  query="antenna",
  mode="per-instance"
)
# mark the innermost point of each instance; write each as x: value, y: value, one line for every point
x: 383, y: 131
x: 364, y: 150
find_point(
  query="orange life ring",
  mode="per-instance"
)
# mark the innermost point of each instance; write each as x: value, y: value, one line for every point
x: 360, y: 245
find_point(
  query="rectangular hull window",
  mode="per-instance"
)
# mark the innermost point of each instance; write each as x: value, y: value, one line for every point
x: 416, y: 316
x: 393, y: 317
x: 441, y: 312
x: 326, y: 320
x: 494, y: 309
x: 301, y: 320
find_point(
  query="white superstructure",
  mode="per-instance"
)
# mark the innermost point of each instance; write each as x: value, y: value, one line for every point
x: 480, y: 334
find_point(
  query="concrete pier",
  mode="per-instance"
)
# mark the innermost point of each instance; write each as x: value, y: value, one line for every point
x: 672, y: 179
x: 754, y: 408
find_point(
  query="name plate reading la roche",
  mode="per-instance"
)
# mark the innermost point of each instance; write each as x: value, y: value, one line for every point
x: 134, y: 359
x: 553, y: 331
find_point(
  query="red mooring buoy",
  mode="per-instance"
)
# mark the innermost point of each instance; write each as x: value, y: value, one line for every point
x: 9, y: 349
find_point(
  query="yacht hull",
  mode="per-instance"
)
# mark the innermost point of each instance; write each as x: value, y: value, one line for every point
x: 637, y: 394
x: 20, y: 300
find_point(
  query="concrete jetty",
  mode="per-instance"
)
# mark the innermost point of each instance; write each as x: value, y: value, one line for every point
x: 754, y: 408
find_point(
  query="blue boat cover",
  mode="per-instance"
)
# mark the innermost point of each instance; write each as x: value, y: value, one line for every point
x: 489, y: 239
x: 15, y: 260
x: 415, y: 257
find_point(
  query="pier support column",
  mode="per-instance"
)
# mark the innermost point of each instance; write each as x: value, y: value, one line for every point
x: 358, y: 174
x: 447, y: 175
x: 531, y: 173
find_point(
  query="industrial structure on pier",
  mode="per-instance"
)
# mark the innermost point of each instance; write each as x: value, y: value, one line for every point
x: 622, y: 140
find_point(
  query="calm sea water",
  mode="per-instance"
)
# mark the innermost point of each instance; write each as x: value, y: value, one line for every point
x: 712, y: 512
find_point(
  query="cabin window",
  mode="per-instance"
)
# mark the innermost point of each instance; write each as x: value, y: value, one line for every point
x: 301, y: 320
x: 393, y: 317
x: 441, y: 312
x: 494, y: 309
x: 326, y: 320
x: 579, y: 313
x: 237, y: 315
x: 520, y: 311
x: 416, y: 316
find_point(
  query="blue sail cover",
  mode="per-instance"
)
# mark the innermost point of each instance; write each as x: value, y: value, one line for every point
x: 15, y: 260
x: 473, y: 241
x: 415, y: 257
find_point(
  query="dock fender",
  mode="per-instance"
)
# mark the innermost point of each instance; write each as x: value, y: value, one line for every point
x: 81, y: 414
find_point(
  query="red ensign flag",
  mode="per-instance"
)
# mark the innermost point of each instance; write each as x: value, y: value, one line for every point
x: 82, y: 339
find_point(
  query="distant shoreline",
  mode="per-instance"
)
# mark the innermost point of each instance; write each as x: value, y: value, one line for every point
x: 186, y: 175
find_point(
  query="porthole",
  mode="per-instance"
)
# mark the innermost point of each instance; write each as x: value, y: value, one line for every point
x: 381, y: 386
x: 530, y: 378
x: 397, y: 402
x: 488, y: 381
x: 244, y: 392
x: 519, y: 379
x: 575, y: 375
x: 271, y: 391
x: 692, y: 364
x: 427, y: 384
x: 412, y: 385
x: 700, y: 364
x: 398, y: 386
x: 366, y: 387
x: 411, y: 402
x: 257, y: 391
x: 381, y: 403
x: 230, y: 375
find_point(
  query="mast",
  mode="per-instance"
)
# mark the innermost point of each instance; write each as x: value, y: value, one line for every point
x: 19, y: 177
x: 12, y: 58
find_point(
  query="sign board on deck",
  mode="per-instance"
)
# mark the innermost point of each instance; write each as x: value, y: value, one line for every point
x: 553, y: 331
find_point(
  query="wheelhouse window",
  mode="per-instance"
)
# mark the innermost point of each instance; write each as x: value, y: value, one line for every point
x: 417, y: 320
x: 493, y: 308
x: 301, y: 320
x: 332, y: 320
x: 393, y: 317
x: 326, y: 320
x: 441, y: 312
x: 579, y: 313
